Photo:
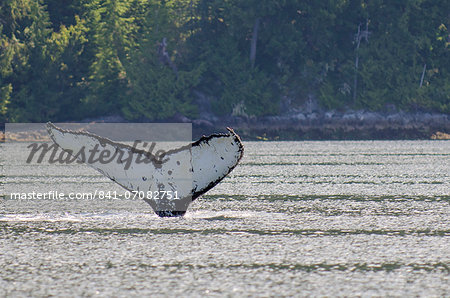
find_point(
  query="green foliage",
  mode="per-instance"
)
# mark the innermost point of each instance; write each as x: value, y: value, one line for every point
x: 25, y: 35
x: 403, y: 37
x: 159, y: 94
x: 72, y: 59
x: 155, y: 91
x: 157, y: 88
x: 110, y: 33
x: 229, y: 76
x: 5, y: 71
x: 236, y: 83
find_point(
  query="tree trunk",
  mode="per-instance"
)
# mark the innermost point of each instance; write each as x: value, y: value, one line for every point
x: 355, y: 79
x: 423, y: 75
x: 253, y: 42
x: 164, y: 56
x: 359, y: 35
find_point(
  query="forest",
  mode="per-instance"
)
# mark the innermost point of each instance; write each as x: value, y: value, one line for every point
x: 148, y: 60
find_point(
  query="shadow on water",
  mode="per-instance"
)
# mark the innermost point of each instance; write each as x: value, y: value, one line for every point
x: 380, y: 198
x: 319, y: 267
x: 220, y: 218
x: 12, y: 227
x: 311, y: 163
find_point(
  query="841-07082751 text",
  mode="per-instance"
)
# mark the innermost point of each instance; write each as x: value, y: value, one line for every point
x: 98, y: 194
x: 155, y: 195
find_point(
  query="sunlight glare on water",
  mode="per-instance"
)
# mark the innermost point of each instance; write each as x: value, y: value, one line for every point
x: 294, y: 218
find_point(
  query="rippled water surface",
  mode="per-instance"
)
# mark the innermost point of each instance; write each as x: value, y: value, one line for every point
x: 294, y: 218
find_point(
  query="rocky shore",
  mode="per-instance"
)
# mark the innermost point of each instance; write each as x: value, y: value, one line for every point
x: 333, y: 125
x: 318, y: 125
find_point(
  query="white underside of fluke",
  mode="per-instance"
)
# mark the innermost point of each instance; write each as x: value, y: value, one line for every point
x: 189, y: 171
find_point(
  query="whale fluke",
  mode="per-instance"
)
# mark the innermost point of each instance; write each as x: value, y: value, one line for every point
x: 181, y: 174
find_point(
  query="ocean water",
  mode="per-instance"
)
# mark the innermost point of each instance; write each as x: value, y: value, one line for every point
x: 359, y: 218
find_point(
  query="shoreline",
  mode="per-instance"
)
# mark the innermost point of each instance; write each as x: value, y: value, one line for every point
x: 327, y: 125
x: 332, y: 125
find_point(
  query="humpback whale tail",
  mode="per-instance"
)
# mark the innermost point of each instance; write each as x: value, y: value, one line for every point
x: 169, y: 184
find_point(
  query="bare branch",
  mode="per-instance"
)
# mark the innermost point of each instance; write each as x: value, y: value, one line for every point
x: 423, y: 75
x: 164, y: 56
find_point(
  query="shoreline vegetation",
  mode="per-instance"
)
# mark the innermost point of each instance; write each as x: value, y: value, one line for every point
x: 274, y: 70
